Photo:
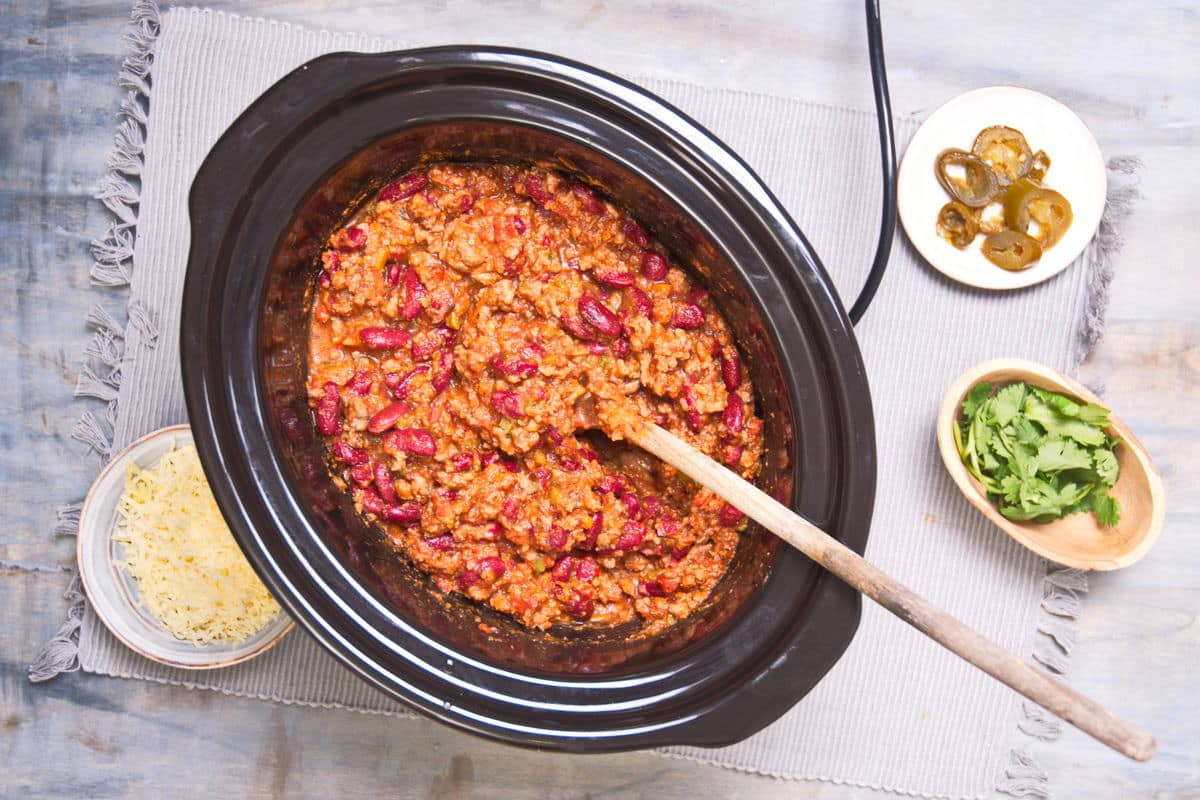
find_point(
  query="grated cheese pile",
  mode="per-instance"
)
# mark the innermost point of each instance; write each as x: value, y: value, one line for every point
x: 188, y: 568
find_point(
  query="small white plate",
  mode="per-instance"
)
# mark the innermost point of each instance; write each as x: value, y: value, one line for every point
x: 1076, y: 171
x: 113, y: 592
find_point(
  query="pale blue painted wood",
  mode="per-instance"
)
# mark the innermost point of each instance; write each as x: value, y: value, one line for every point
x: 1130, y: 70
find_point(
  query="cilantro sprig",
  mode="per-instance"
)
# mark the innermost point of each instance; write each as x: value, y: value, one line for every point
x: 1039, y: 455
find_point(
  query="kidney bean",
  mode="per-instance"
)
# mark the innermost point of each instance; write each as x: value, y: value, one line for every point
x: 597, y: 315
x: 668, y: 525
x: 508, y: 403
x: 405, y: 187
x: 324, y: 279
x: 615, y: 280
x: 414, y: 293
x: 351, y: 238
x: 371, y: 502
x: 393, y: 273
x: 362, y: 475
x: 437, y: 337
x: 329, y: 410
x: 442, y: 373
x: 492, y: 565
x: 734, y: 415
x: 384, y: 338
x: 621, y: 348
x: 697, y: 295
x: 553, y: 437
x: 488, y: 457
x: 542, y: 476
x: 688, y: 316
x: 510, y: 508
x: 588, y: 454
x: 611, y: 483
x: 557, y: 538
x: 586, y: 568
x: 641, y: 302
x: 442, y: 544
x: 632, y: 504
x: 414, y: 441
x: 491, y: 531
x: 730, y: 516
x: 348, y: 454
x: 632, y: 535
x: 403, y: 513
x: 386, y: 418
x: 510, y: 465
x: 399, y: 385
x: 650, y: 589
x: 535, y: 187
x: 514, y: 367
x: 293, y: 426
x: 462, y: 462
x: 577, y: 328
x: 679, y: 553
x: 467, y: 579
x: 563, y: 569
x: 587, y: 199
x: 593, y: 532
x: 383, y: 483
x: 731, y: 369
x: 331, y: 260
x: 635, y: 233
x: 581, y: 607
x: 569, y: 464
x: 360, y: 383
x: 731, y: 453
x: 519, y: 225
x: 654, y: 266
x: 597, y: 349
x: 449, y: 494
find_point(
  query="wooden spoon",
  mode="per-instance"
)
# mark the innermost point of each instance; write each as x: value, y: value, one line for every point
x: 852, y: 568
x: 1076, y: 540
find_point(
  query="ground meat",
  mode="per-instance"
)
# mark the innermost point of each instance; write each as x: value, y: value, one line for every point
x: 473, y: 332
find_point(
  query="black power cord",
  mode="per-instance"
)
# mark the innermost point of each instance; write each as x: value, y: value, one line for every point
x: 887, y: 152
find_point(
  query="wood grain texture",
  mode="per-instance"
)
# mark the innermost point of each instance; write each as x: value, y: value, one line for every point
x: 1129, y: 70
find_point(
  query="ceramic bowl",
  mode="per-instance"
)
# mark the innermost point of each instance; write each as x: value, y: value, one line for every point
x: 114, y: 593
x: 1076, y: 171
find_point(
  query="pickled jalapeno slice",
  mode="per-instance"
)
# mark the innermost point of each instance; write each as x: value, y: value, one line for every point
x: 1005, y: 150
x: 977, y: 183
x: 1011, y: 250
x: 957, y: 224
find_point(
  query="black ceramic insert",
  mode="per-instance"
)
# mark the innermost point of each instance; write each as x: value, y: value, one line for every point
x: 291, y: 169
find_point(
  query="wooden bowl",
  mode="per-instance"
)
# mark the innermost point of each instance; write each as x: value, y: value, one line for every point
x: 1075, y: 540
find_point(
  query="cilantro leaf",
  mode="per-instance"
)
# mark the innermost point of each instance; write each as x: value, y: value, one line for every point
x: 975, y: 399
x: 1106, y: 466
x: 1007, y: 403
x: 1055, y: 455
x: 1056, y: 424
x: 1107, y: 510
x: 1093, y: 414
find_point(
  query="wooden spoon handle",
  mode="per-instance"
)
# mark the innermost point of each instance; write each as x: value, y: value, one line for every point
x: 852, y: 568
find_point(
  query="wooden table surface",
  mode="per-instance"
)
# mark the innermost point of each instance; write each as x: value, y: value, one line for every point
x: 1131, y: 70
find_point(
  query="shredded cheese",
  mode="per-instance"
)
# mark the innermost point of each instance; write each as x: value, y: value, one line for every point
x: 188, y: 568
